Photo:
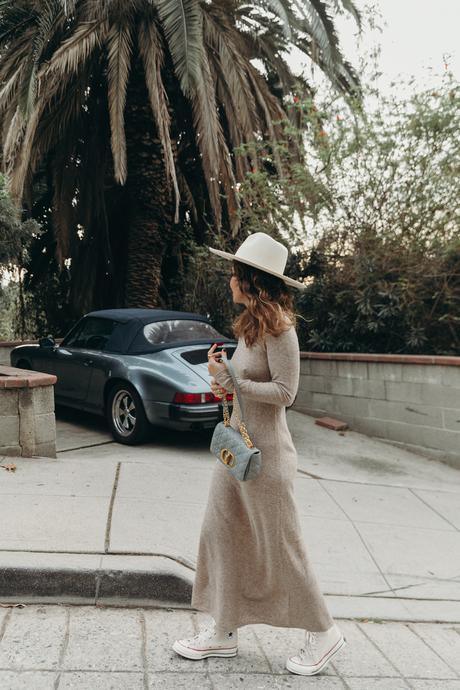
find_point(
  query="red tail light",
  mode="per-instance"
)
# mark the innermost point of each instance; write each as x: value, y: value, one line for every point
x: 198, y: 398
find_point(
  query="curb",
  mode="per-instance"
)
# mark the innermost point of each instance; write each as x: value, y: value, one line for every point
x: 93, y: 578
x: 161, y: 581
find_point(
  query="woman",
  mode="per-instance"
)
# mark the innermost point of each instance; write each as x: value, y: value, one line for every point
x: 252, y: 564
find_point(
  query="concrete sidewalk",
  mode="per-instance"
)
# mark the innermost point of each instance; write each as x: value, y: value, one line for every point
x: 106, y: 523
x: 92, y: 648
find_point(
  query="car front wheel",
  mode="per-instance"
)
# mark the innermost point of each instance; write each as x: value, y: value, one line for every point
x: 126, y: 415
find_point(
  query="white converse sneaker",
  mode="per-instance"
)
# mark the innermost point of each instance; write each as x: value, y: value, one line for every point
x: 208, y: 642
x: 317, y: 651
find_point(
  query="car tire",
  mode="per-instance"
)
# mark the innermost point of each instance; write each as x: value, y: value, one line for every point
x: 126, y: 415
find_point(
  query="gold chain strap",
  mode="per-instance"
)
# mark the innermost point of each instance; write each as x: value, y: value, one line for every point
x: 241, y: 424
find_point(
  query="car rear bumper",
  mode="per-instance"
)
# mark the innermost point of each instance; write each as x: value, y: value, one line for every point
x: 177, y: 416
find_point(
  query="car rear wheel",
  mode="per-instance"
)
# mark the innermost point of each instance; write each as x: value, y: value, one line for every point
x: 126, y: 415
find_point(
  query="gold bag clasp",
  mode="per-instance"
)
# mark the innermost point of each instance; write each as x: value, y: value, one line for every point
x: 227, y: 457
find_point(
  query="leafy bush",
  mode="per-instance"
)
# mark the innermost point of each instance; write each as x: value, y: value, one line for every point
x: 15, y: 238
x: 377, y: 218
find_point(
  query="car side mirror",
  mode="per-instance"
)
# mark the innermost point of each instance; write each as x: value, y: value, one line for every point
x: 47, y: 342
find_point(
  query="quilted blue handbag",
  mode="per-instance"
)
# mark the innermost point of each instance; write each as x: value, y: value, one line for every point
x: 234, y: 448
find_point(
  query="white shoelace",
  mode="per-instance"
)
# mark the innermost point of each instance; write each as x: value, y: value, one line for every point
x: 309, y: 646
x: 204, y: 635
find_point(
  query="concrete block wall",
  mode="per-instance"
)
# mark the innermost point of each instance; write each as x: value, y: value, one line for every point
x: 5, y: 349
x: 409, y: 399
x: 27, y: 421
x: 413, y: 400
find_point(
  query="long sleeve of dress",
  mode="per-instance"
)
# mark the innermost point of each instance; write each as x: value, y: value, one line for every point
x: 283, y: 357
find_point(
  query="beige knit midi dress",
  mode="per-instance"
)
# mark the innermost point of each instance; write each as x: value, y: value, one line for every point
x: 252, y: 564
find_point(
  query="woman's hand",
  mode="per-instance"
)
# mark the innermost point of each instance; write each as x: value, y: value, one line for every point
x: 218, y: 391
x: 216, y: 360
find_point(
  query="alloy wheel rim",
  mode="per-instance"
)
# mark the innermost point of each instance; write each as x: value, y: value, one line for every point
x: 124, y: 413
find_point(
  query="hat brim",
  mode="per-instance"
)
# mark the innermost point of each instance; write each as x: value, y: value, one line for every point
x: 286, y: 279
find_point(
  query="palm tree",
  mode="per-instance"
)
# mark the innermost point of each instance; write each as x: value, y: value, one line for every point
x: 130, y: 111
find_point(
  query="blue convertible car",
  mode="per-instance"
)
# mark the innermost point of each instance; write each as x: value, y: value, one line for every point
x: 139, y: 367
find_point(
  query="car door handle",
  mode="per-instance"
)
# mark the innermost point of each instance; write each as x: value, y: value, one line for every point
x: 87, y: 362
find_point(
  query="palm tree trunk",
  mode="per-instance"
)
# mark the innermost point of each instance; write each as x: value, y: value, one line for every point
x: 151, y: 209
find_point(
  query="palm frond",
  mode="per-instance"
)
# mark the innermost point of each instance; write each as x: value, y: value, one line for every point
x: 151, y: 50
x: 58, y: 106
x: 272, y: 113
x: 266, y: 49
x: 338, y: 67
x: 20, y: 170
x: 82, y: 133
x: 43, y: 29
x: 207, y: 126
x: 68, y: 6
x: 350, y: 7
x: 233, y: 132
x: 317, y: 28
x: 231, y: 73
x: 226, y: 172
x: 78, y: 168
x: 182, y: 25
x: 13, y: 137
x: 323, y: 48
x: 14, y: 18
x: 12, y: 63
x: 278, y: 8
x: 119, y: 47
x: 76, y: 49
x: 227, y: 179
x: 10, y: 87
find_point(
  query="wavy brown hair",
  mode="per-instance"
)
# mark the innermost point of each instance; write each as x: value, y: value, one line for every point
x: 270, y: 307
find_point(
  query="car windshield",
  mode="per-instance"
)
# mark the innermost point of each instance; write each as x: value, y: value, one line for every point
x: 177, y: 330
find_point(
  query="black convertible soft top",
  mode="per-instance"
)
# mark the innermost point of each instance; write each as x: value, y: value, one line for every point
x: 128, y: 336
x: 145, y: 315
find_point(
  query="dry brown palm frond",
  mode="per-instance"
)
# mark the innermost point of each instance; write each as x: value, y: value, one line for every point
x: 272, y: 112
x: 234, y: 89
x: 76, y: 49
x: 233, y: 131
x: 227, y: 178
x: 264, y: 46
x: 9, y: 89
x: 58, y: 105
x: 220, y: 41
x: 207, y: 126
x: 13, y: 138
x: 12, y: 68
x: 30, y: 150
x: 119, y: 46
x: 151, y: 49
x: 76, y: 161
x: 20, y: 169
x: 227, y: 175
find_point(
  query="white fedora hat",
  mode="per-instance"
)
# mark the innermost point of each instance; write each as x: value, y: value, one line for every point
x: 262, y: 251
